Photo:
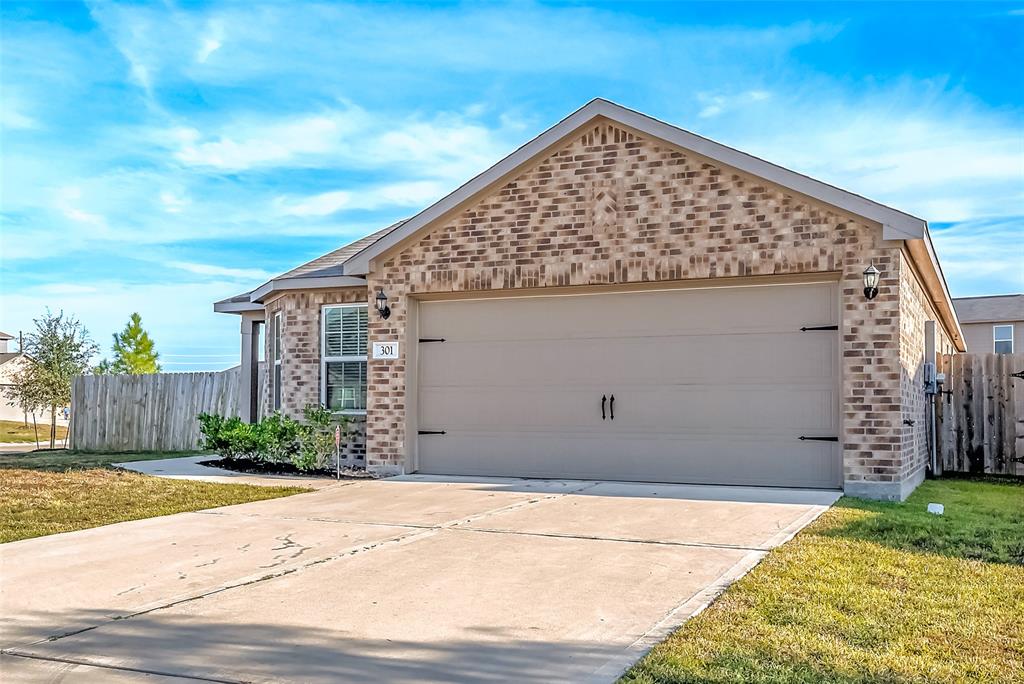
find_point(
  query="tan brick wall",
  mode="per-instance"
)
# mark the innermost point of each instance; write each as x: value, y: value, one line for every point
x: 300, y: 359
x: 915, y: 310
x: 613, y: 207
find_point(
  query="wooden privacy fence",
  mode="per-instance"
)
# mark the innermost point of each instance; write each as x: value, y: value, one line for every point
x: 147, y: 412
x: 980, y: 415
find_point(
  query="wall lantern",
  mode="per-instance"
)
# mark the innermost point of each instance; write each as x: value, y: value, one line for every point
x: 871, y: 275
x: 382, y: 304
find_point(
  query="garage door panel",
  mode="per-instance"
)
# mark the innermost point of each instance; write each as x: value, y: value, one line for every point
x: 694, y: 312
x: 753, y: 358
x: 764, y: 410
x: 705, y: 459
x: 711, y: 386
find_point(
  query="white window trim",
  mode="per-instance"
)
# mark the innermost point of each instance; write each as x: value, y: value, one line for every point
x: 1002, y: 339
x: 277, y: 337
x: 324, y: 359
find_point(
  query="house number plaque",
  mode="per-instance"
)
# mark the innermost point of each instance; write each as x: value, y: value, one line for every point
x: 385, y: 350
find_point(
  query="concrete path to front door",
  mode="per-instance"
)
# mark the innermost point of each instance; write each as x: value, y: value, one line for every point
x: 413, y: 579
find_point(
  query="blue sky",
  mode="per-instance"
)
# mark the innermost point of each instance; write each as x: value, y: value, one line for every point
x: 157, y: 157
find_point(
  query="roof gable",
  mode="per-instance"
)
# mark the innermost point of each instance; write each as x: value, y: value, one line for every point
x: 896, y: 225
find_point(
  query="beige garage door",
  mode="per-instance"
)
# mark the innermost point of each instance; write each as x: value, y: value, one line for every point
x: 702, y: 385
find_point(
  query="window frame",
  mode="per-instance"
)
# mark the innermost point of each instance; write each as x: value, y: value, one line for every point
x: 276, y: 356
x: 350, y: 358
x: 996, y: 340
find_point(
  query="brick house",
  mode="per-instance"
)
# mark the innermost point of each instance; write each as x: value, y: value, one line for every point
x: 621, y: 299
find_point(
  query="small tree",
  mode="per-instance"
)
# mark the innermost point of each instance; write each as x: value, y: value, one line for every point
x: 58, y: 350
x: 134, y: 351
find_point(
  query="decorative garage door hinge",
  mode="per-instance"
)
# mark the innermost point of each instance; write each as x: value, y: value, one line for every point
x: 1019, y: 375
x: 431, y: 339
x: 431, y: 432
x: 819, y: 327
x: 818, y: 439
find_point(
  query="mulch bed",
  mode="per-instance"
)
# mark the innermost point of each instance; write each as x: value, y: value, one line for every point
x: 245, y: 465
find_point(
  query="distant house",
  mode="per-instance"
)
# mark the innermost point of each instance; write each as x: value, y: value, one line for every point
x: 10, y: 363
x: 992, y: 324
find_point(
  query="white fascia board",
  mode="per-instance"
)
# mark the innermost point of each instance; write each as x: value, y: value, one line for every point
x: 317, y: 283
x: 934, y: 258
x: 896, y: 225
x: 236, y: 307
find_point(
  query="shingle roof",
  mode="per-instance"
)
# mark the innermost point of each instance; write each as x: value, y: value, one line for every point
x: 330, y: 263
x: 7, y: 356
x: 993, y: 308
x: 5, y: 336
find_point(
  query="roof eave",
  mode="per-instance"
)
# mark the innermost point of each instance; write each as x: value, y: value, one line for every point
x: 227, y: 306
x: 923, y: 252
x: 260, y: 294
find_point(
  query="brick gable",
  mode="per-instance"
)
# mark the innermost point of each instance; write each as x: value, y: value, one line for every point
x: 611, y: 206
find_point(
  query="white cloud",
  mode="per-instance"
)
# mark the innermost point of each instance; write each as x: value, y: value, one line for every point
x: 221, y: 271
x: 277, y: 143
x: 715, y: 104
x: 12, y: 119
x: 409, y: 194
x: 448, y: 146
x: 67, y: 200
x: 316, y: 205
x: 211, y: 41
x: 982, y: 256
x: 173, y: 204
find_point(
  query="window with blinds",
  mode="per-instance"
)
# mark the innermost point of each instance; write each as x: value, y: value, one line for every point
x: 343, y: 358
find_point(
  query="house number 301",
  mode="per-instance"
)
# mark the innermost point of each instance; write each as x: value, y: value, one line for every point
x: 385, y: 350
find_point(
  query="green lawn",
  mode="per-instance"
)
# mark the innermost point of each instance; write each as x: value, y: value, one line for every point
x: 12, y: 431
x: 48, y: 492
x: 871, y: 592
x: 59, y: 460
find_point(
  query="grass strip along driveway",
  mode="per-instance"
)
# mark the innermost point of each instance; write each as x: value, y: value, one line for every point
x: 871, y: 592
x: 49, y: 492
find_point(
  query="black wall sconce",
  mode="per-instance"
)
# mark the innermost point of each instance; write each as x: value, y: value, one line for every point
x: 871, y: 276
x: 382, y: 304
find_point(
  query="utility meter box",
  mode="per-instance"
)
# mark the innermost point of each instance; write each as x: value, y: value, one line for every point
x: 930, y: 378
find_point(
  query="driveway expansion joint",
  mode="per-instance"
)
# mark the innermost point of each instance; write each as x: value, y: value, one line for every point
x: 627, y: 540
x: 119, y: 668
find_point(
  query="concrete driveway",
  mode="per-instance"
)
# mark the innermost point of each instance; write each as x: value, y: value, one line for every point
x: 411, y: 579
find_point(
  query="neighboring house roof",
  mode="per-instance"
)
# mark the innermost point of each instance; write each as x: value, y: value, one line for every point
x: 5, y: 336
x: 8, y: 356
x: 990, y: 308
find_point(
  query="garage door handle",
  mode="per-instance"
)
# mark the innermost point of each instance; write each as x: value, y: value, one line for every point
x: 818, y: 439
x: 611, y: 408
x: 604, y: 398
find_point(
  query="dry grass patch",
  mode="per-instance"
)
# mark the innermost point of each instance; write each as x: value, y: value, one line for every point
x: 871, y: 592
x: 34, y: 503
x: 15, y: 431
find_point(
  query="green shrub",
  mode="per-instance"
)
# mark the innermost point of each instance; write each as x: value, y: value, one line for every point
x: 279, y: 438
x: 316, y: 441
x: 276, y: 438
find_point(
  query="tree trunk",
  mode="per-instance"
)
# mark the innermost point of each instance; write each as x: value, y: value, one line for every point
x: 53, y: 427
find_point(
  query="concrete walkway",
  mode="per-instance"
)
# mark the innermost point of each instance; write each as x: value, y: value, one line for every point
x: 188, y: 468
x: 411, y: 579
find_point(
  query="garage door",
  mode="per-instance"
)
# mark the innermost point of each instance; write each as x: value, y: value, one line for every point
x: 722, y: 385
